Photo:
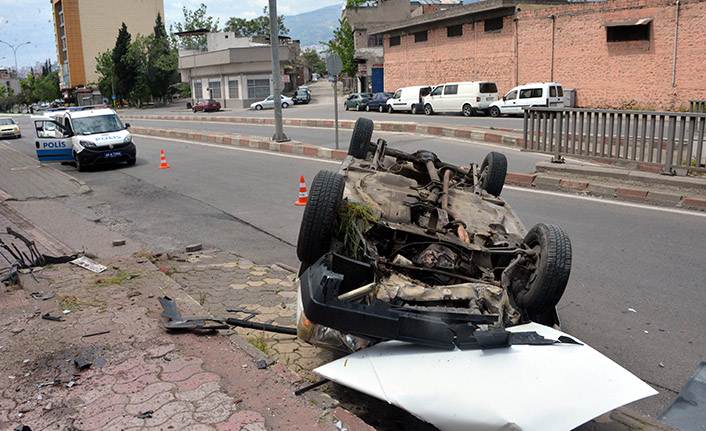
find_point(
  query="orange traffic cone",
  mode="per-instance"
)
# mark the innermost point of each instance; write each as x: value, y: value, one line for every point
x: 164, y: 164
x: 303, y: 195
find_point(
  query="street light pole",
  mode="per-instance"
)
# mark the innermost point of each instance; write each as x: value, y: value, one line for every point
x: 14, y: 51
x: 276, y: 89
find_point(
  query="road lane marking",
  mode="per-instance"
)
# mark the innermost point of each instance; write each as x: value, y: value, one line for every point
x: 609, y: 201
x: 245, y: 149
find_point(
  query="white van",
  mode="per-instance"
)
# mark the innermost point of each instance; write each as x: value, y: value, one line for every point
x: 88, y: 135
x: 465, y: 97
x: 548, y: 94
x: 408, y: 99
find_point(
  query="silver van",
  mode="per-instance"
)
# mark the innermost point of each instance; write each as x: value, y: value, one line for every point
x: 464, y: 97
x: 550, y: 94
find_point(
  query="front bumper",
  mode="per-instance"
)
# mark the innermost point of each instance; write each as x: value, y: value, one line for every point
x: 10, y: 134
x: 105, y: 155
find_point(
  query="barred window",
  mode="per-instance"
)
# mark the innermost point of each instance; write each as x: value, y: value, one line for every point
x: 198, y: 90
x: 233, y: 92
x: 375, y: 40
x: 215, y: 86
x: 258, y: 88
x: 394, y: 40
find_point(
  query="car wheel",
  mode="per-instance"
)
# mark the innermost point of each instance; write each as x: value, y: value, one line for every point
x: 428, y: 109
x: 79, y: 166
x: 494, y: 111
x: 131, y: 162
x: 258, y: 107
x: 319, y: 219
x: 357, y: 107
x: 381, y: 108
x: 414, y: 109
x: 285, y: 104
x: 493, y: 172
x: 346, y: 106
x: 552, y: 268
x: 193, y: 110
x: 390, y: 110
x: 360, y: 139
x: 468, y: 110
x: 367, y: 108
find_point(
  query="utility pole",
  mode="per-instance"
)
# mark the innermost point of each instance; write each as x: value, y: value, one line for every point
x: 279, y: 135
x: 14, y: 51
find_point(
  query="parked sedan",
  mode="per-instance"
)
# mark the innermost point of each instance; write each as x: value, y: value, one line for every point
x: 269, y: 103
x: 206, y: 105
x: 357, y: 101
x: 378, y: 102
x: 8, y: 128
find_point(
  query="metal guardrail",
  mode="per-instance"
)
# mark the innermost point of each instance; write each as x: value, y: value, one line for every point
x: 673, y: 141
x: 698, y: 106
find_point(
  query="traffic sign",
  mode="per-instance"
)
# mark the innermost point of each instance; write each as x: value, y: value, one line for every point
x: 334, y: 64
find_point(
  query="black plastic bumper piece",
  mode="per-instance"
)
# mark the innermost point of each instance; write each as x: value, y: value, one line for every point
x: 103, y: 155
x: 332, y: 274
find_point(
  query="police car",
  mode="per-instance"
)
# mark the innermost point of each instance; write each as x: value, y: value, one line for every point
x: 85, y: 135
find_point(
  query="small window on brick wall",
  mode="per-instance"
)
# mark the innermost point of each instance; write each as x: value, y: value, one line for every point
x: 420, y: 36
x: 394, y: 40
x: 454, y: 31
x: 624, y: 33
x: 493, y: 24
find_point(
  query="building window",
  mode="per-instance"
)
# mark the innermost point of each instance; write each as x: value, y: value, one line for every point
x: 420, y: 36
x: 493, y: 24
x: 394, y: 40
x: 625, y: 33
x: 375, y: 40
x: 233, y: 92
x: 198, y: 90
x: 258, y: 88
x: 215, y: 86
x: 454, y: 31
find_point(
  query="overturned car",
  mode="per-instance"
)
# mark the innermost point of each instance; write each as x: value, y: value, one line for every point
x: 399, y: 246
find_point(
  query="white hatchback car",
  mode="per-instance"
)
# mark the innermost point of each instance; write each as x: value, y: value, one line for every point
x: 269, y: 103
x: 549, y: 94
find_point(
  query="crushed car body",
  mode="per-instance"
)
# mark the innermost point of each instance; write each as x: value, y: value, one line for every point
x: 407, y: 257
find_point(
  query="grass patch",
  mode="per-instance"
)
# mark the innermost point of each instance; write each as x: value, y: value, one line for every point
x: 69, y: 302
x: 260, y: 342
x: 146, y: 254
x: 353, y: 219
x: 118, y: 278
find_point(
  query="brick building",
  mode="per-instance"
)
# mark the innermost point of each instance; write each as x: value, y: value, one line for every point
x: 645, y: 54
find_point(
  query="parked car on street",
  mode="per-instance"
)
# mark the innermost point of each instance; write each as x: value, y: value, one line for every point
x: 378, y: 102
x: 408, y: 99
x: 467, y: 98
x: 301, y: 96
x: 270, y: 104
x: 206, y: 105
x: 550, y: 94
x: 357, y: 101
x: 9, y: 129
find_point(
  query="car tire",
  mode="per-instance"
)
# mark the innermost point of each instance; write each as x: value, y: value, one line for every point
x: 131, y: 162
x: 360, y: 139
x: 381, y: 108
x: 357, y: 107
x: 428, y: 110
x: 390, y: 109
x: 193, y: 110
x: 285, y: 104
x: 414, y: 109
x: 319, y: 219
x: 258, y: 107
x: 345, y: 106
x: 468, y: 110
x: 367, y: 108
x: 494, y: 111
x: 493, y: 171
x: 80, y: 167
x: 553, y: 267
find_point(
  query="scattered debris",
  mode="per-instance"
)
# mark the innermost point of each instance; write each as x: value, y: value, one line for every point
x: 237, y: 401
x: 246, y: 323
x: 145, y: 415
x: 54, y: 383
x: 661, y: 365
x: 632, y: 310
x: 48, y: 406
x: 47, y: 316
x: 49, y: 295
x: 141, y: 260
x: 133, y: 293
x: 17, y: 330
x: 36, y: 295
x: 71, y: 384
x: 176, y: 322
x: 89, y: 264
x: 95, y: 334
x: 66, y: 311
x: 22, y: 428
x: 647, y: 332
x: 687, y: 411
x: 118, y: 242
x: 81, y: 363
x: 261, y: 364
x: 193, y: 247
x: 310, y: 387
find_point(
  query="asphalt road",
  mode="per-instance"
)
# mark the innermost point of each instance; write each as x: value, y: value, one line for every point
x: 626, y: 256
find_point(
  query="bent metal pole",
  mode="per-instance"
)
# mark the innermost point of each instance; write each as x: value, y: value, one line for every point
x: 276, y: 80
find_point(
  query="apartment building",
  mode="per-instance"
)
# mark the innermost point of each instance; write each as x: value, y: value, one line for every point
x: 85, y: 28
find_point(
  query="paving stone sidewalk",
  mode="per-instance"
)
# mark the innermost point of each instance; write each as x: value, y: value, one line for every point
x: 141, y: 377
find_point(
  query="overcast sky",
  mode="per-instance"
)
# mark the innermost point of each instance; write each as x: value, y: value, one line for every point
x: 31, y: 21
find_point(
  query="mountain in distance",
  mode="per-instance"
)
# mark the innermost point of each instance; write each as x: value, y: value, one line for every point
x: 311, y: 28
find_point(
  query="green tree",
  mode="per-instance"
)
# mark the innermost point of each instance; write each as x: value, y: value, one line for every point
x: 137, y: 57
x: 193, y: 20
x: 48, y: 86
x: 356, y: 3
x: 162, y: 62
x: 123, y: 64
x: 46, y: 68
x: 342, y: 44
x: 255, y: 27
x: 313, y: 60
x: 106, y: 72
x: 29, y: 88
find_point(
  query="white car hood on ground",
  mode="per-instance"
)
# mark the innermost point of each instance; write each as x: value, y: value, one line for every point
x: 519, y: 388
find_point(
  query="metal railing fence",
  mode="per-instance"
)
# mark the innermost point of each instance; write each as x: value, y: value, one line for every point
x: 698, y: 106
x: 673, y: 141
